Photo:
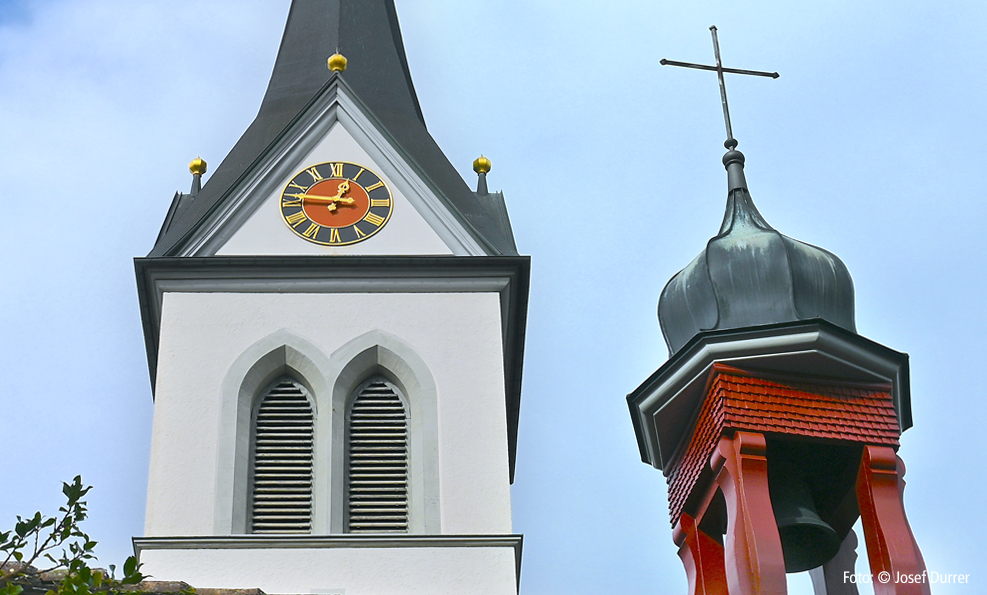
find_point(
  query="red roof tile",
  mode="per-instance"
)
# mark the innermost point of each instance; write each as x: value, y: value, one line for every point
x: 741, y: 400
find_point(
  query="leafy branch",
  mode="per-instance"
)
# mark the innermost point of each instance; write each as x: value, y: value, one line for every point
x: 55, y: 550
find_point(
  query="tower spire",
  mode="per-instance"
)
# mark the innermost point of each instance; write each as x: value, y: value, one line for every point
x: 367, y: 33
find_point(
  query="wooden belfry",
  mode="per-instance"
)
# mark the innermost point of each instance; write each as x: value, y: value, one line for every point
x: 774, y: 422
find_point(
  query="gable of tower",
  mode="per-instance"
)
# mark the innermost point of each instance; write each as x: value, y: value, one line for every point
x: 367, y: 114
x: 257, y: 216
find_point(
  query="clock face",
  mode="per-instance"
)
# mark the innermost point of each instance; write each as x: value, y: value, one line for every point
x: 336, y: 203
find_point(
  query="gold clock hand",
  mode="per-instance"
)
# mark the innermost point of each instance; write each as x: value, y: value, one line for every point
x: 321, y: 199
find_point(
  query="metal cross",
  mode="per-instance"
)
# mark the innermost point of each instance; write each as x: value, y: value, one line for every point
x: 719, y: 69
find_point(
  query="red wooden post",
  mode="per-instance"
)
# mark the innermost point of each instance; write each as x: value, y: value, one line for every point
x: 755, y: 563
x: 895, y: 560
x: 702, y: 556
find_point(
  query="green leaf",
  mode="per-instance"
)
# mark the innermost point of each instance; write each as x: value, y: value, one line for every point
x: 130, y: 566
x: 131, y: 571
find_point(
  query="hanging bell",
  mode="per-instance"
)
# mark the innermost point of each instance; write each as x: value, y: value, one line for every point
x: 806, y: 540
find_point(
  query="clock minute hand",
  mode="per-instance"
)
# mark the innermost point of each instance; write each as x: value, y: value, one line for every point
x: 323, y: 199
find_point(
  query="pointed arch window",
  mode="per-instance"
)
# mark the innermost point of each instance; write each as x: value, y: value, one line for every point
x: 281, y: 460
x: 377, y: 459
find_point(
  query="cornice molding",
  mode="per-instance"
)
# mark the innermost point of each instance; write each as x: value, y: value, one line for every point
x: 663, y: 407
x: 241, y: 542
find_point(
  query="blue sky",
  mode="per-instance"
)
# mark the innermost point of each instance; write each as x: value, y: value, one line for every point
x: 869, y: 145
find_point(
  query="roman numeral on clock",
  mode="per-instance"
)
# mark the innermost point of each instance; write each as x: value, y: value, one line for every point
x: 311, y: 231
x: 334, y: 235
x: 380, y: 202
x: 337, y: 170
x: 316, y: 176
x: 379, y: 184
x: 374, y: 219
x: 295, y: 218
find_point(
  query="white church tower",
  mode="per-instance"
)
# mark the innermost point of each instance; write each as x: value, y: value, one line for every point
x: 335, y: 328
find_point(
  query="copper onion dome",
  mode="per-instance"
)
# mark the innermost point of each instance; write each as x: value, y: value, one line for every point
x: 751, y: 275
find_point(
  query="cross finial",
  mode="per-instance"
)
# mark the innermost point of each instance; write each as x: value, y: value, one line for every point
x: 719, y: 69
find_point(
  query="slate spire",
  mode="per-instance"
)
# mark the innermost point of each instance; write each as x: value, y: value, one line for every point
x: 368, y: 34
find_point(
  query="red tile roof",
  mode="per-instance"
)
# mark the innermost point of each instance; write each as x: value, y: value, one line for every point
x: 742, y: 400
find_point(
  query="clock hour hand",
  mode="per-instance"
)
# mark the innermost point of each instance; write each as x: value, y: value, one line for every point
x: 322, y: 199
x: 326, y: 200
x: 330, y: 200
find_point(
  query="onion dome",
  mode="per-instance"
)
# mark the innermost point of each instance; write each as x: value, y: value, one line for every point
x: 751, y: 275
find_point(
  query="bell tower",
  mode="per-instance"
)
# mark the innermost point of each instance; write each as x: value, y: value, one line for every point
x: 334, y: 324
x: 776, y: 424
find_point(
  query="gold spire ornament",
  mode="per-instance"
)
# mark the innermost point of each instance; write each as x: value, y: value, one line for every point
x: 337, y: 62
x: 481, y: 165
x: 197, y: 166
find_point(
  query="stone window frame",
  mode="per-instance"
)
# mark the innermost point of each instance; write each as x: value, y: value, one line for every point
x: 330, y: 381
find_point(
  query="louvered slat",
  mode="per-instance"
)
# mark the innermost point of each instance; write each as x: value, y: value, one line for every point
x: 377, y: 494
x: 282, y: 461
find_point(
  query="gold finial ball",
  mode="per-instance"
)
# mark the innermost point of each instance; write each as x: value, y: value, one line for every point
x: 337, y: 62
x: 197, y: 166
x: 481, y: 165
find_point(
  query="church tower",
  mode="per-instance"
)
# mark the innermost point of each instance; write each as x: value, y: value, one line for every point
x: 334, y: 324
x: 776, y: 424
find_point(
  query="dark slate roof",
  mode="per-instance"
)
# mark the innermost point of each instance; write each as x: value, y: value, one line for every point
x: 496, y: 221
x: 368, y: 34
x: 751, y: 275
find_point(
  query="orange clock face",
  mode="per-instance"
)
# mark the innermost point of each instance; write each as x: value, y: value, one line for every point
x: 336, y: 203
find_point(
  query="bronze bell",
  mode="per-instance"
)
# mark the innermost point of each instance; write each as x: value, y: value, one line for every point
x: 806, y: 540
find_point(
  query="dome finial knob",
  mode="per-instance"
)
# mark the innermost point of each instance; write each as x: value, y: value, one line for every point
x: 481, y: 165
x: 337, y: 62
x: 197, y: 166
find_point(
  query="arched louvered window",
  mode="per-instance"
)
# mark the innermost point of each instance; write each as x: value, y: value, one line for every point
x: 281, y: 462
x: 377, y: 460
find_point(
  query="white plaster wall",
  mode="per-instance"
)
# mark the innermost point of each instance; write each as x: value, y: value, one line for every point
x: 265, y: 232
x: 356, y: 571
x: 457, y: 335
